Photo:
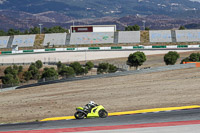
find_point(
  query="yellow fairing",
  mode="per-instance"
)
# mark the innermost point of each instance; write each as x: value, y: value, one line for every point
x: 81, y: 108
x: 95, y: 111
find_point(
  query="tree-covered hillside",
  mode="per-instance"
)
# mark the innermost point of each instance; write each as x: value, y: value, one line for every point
x: 100, y: 8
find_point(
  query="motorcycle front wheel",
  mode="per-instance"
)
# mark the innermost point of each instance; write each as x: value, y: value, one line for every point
x: 79, y: 115
x: 103, y: 113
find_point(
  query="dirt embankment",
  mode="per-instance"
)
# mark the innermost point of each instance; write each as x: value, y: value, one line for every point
x: 171, y: 88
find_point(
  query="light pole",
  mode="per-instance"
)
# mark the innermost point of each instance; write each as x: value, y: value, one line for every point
x: 40, y: 28
x: 73, y: 28
x: 144, y: 21
x: 85, y: 56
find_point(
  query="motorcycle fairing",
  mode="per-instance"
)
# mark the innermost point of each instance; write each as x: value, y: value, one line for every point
x: 95, y: 111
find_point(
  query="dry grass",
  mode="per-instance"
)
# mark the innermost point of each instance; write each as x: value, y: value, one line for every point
x: 144, y: 37
x: 39, y: 40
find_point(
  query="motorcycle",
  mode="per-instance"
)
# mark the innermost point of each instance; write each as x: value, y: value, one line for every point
x: 98, y: 111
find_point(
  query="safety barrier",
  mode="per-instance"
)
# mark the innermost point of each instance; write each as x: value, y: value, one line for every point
x: 4, y: 41
x: 129, y: 37
x: 196, y: 63
x: 98, y: 48
x: 55, y: 39
x: 187, y: 35
x: 24, y: 40
x: 160, y: 36
x: 90, y: 38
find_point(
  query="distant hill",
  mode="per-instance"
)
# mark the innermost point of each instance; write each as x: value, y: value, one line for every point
x: 102, y: 8
x: 159, y: 14
x: 192, y: 26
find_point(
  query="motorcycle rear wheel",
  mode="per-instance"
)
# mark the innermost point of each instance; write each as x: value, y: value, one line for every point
x: 79, y: 115
x: 103, y: 113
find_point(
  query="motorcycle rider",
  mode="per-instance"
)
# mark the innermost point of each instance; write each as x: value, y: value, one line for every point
x: 88, y: 107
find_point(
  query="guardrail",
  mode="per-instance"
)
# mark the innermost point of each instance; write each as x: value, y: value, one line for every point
x: 97, y: 49
x: 124, y: 73
x: 27, y: 63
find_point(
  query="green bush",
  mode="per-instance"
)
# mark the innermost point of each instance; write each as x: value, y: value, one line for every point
x: 9, y: 79
x: 49, y: 73
x: 102, y: 68
x: 67, y: 72
x: 194, y: 57
x: 35, y: 30
x: 106, y: 68
x: 132, y: 28
x: 11, y: 75
x: 181, y: 27
x: 136, y: 59
x: 147, y: 28
x: 13, y: 32
x: 27, y: 75
x: 10, y: 70
x: 34, y: 71
x: 32, y: 66
x: 187, y: 59
x: 55, y: 29
x: 20, y: 69
x: 79, y: 70
x: 89, y: 65
x: 112, y: 68
x: 86, y: 70
x: 38, y: 64
x: 59, y: 65
x: 171, y: 57
x: 15, y: 67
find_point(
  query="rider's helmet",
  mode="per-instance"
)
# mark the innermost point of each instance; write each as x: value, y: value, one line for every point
x: 92, y: 103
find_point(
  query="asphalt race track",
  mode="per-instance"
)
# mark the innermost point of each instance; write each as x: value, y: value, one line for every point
x: 189, y: 120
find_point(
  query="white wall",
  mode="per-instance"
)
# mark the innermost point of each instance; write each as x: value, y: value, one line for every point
x: 55, y: 39
x: 104, y: 29
x: 129, y: 37
x: 24, y: 40
x: 92, y: 38
x: 160, y: 36
x: 4, y: 41
x: 188, y: 35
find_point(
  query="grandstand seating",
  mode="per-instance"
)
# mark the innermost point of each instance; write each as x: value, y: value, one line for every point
x: 188, y: 35
x: 24, y: 40
x: 55, y: 39
x: 4, y: 41
x: 160, y: 36
x: 92, y: 38
x: 129, y: 37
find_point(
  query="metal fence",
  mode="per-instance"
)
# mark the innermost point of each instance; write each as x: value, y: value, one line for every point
x: 4, y: 87
x: 27, y: 63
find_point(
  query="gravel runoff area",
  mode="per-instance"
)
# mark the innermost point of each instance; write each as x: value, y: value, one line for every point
x: 125, y: 93
x: 75, y: 56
